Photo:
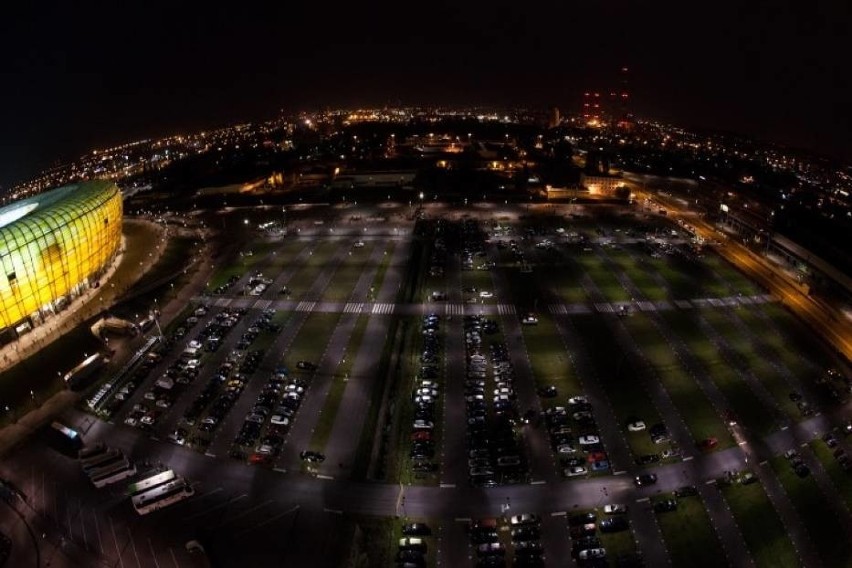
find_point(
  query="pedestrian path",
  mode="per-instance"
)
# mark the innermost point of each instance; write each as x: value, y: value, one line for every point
x: 659, y: 306
x: 455, y: 309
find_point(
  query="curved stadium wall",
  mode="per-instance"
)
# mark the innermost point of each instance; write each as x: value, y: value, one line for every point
x: 54, y: 246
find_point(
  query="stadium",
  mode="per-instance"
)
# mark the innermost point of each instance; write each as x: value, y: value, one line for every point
x: 53, y: 247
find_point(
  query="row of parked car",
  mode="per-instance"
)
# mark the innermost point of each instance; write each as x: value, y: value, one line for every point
x: 424, y: 396
x: 212, y: 405
x: 272, y: 413
x: 413, y: 546
x: 574, y: 437
x: 495, y: 456
x: 147, y: 364
x: 522, y: 541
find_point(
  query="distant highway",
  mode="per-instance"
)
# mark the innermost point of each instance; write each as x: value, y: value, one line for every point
x: 826, y: 320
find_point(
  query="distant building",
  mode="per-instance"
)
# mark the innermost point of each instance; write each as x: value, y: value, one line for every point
x: 555, y: 119
x: 389, y: 178
x: 601, y: 183
x: 563, y: 192
x: 53, y: 247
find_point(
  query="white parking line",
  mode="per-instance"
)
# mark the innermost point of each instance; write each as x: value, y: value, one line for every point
x: 462, y: 519
x: 710, y: 482
x: 622, y: 472
x: 133, y: 545
x: 321, y: 476
x: 217, y: 507
x: 333, y: 511
x: 98, y: 530
x: 80, y: 513
x: 538, y: 482
x: 558, y: 514
x: 174, y: 558
x: 688, y: 458
x: 448, y: 485
x: 115, y: 540
x: 153, y: 554
x: 643, y: 500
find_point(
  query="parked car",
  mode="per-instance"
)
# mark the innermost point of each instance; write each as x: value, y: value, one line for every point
x: 645, y: 479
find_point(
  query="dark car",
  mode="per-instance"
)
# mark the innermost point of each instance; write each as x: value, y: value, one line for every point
x: 645, y: 479
x: 647, y: 458
x: 424, y: 467
x: 531, y: 532
x: 409, y: 556
x: 585, y: 518
x: 548, y: 392
x: 665, y: 506
x: 310, y: 456
x: 306, y: 366
x: 614, y: 524
x: 416, y: 529
x: 686, y: 491
x: 482, y: 535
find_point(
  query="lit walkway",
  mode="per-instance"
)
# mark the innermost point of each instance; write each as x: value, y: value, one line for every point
x: 455, y: 309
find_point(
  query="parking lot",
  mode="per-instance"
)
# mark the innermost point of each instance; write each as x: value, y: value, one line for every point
x: 491, y: 353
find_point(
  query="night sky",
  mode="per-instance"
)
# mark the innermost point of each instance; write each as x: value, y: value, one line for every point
x: 82, y: 74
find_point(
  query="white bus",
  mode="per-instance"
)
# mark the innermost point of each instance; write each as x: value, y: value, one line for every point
x: 95, y: 462
x: 106, y: 478
x: 113, y: 465
x: 91, y: 452
x: 162, y: 496
x: 150, y: 482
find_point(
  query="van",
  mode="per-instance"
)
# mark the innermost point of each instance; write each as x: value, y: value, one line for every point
x: 412, y: 543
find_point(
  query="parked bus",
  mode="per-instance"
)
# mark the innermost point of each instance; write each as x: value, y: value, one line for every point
x: 95, y: 462
x: 91, y: 451
x: 150, y: 482
x: 162, y: 496
x: 63, y: 439
x: 113, y: 465
x: 106, y: 478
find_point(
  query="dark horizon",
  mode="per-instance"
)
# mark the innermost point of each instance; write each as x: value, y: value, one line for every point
x: 79, y: 78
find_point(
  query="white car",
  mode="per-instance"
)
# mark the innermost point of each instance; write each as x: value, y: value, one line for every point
x: 637, y: 426
x: 525, y: 519
x: 423, y: 425
x: 578, y: 400
x: 615, y: 509
x: 591, y: 553
x: 279, y: 420
x: 486, y: 294
x: 589, y: 440
x: 575, y: 471
x: 359, y: 244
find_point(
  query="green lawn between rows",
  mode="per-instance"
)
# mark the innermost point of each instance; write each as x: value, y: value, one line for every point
x: 830, y: 537
x: 761, y: 527
x: 689, y: 536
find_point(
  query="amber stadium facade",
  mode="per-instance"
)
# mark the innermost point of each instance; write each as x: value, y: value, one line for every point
x: 53, y: 247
